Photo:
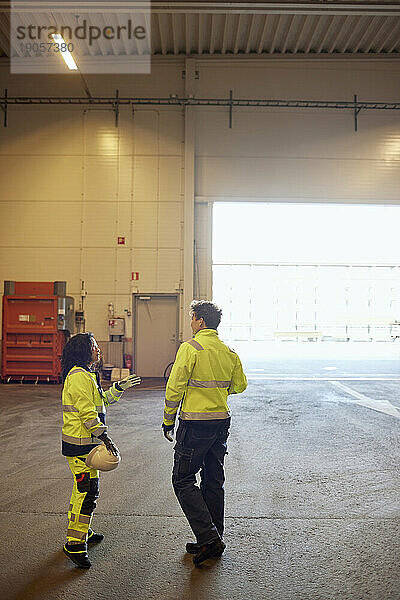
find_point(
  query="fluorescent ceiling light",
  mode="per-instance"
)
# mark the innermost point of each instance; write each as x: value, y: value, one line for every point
x: 67, y: 56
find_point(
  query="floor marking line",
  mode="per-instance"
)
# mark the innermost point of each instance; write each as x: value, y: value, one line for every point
x: 288, y: 378
x: 233, y: 517
x: 383, y: 406
x: 338, y: 376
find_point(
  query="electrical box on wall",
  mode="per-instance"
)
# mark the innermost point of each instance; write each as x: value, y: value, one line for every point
x: 66, y: 314
x: 116, y: 326
x: 116, y: 329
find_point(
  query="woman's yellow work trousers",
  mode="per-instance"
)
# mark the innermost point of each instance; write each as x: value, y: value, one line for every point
x: 83, y: 499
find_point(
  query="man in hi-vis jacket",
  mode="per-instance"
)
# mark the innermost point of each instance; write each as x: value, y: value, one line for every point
x: 204, y: 373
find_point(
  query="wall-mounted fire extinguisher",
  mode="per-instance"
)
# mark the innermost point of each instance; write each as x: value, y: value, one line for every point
x: 128, y: 361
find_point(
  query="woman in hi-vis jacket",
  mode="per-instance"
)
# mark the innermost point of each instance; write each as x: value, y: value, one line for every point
x: 83, y: 405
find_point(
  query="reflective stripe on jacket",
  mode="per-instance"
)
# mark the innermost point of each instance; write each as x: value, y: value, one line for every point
x: 84, y: 413
x: 205, y: 371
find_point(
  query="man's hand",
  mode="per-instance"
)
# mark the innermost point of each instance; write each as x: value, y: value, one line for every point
x: 129, y: 381
x: 168, y: 431
x: 109, y: 444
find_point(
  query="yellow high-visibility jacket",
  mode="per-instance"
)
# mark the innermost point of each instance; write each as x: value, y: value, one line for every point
x: 205, y: 372
x: 84, y: 413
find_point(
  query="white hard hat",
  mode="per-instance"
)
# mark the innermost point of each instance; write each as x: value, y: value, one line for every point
x: 100, y: 458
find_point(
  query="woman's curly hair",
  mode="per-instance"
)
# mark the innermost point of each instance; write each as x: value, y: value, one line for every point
x: 77, y: 352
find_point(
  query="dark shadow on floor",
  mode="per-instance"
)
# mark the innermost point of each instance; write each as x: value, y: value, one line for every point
x: 53, y: 574
x: 198, y: 578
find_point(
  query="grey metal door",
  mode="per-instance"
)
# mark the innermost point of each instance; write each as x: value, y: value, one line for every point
x: 155, y: 332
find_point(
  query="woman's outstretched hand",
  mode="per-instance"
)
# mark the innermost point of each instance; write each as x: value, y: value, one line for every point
x: 129, y: 381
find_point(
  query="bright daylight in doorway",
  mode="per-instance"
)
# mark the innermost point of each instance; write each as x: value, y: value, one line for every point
x: 307, y: 272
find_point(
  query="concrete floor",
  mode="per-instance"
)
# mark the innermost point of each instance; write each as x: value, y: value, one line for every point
x: 313, y: 506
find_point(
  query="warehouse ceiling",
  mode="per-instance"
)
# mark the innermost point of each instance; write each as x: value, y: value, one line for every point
x: 242, y: 28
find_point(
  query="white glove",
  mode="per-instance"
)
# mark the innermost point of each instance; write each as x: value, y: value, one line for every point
x: 129, y: 381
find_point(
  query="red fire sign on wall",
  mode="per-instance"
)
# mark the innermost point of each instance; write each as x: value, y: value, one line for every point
x: 135, y: 276
x: 121, y: 241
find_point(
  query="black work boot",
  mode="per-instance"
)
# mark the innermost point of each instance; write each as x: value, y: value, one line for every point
x: 78, y: 554
x: 94, y: 538
x: 212, y: 550
x: 192, y: 548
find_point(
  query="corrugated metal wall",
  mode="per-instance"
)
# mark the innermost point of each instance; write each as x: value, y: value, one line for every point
x: 71, y: 182
x: 290, y: 155
x: 299, y: 156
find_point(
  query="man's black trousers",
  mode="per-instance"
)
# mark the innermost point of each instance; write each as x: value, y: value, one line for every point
x: 201, y: 446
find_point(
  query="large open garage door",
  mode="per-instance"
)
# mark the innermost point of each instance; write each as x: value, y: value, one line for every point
x: 307, y: 272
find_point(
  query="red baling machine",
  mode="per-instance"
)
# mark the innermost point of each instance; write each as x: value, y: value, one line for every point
x: 38, y: 318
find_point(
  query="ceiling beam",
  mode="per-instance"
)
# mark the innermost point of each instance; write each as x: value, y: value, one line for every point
x: 366, y: 23
x: 213, y: 34
x: 5, y: 43
x: 273, y: 43
x: 112, y: 41
x: 196, y: 6
x: 288, y: 31
x: 250, y: 34
x: 187, y: 31
x: 391, y: 23
x: 326, y: 34
x: 225, y: 35
x: 127, y: 50
x: 315, y: 29
x: 305, y: 19
x: 322, y: 7
x: 162, y: 36
x: 237, y: 37
x: 375, y: 35
x: 366, y: 32
x: 353, y: 35
x: 336, y: 37
x: 260, y: 46
x: 345, y: 33
x: 174, y: 33
x: 391, y: 59
x: 396, y: 41
x: 145, y: 43
x: 200, y: 34
x: 22, y: 53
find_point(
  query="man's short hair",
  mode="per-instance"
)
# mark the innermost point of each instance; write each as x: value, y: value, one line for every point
x: 208, y: 311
